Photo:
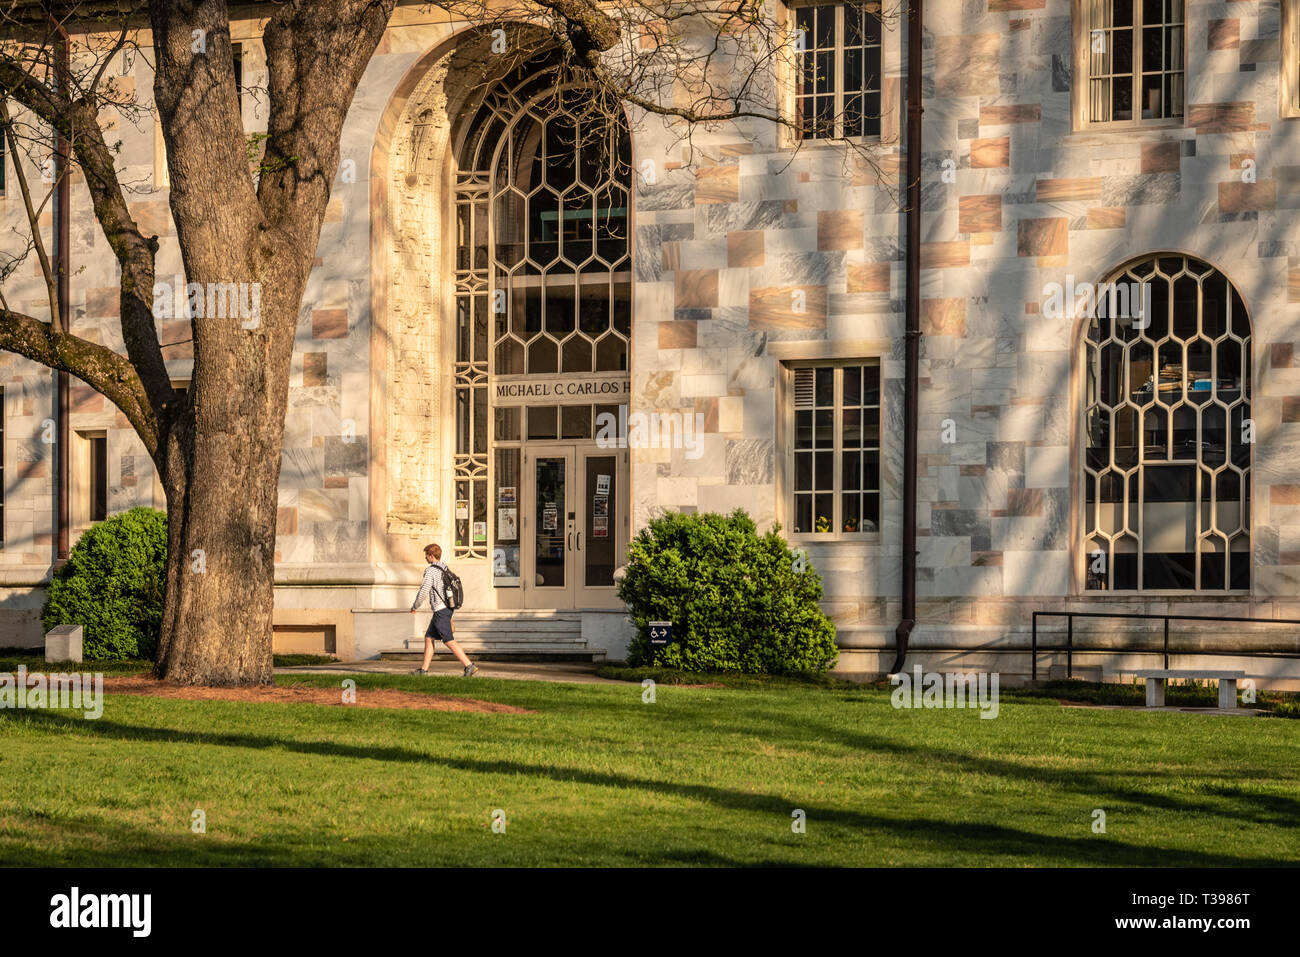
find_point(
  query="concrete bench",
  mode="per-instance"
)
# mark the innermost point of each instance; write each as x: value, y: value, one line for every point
x: 1156, y: 678
x: 63, y: 643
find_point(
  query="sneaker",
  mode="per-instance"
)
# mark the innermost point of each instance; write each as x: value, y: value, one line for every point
x: 469, y: 671
x: 419, y: 671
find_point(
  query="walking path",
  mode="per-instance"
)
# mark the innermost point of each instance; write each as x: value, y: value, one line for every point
x: 568, y: 671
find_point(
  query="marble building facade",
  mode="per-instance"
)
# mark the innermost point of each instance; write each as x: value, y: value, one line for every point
x: 763, y: 285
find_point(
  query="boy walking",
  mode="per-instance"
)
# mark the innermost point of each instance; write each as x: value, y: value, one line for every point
x: 440, y: 626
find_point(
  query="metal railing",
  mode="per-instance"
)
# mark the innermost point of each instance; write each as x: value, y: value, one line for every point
x: 1069, y: 617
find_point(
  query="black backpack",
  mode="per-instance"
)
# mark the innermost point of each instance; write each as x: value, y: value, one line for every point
x: 453, y: 592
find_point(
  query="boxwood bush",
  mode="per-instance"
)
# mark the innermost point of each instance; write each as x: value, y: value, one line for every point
x: 738, y: 601
x: 112, y: 585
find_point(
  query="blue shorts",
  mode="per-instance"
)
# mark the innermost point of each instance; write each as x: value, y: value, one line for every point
x: 440, y: 626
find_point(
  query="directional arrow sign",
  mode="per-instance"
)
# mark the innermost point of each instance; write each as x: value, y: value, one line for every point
x: 661, y: 633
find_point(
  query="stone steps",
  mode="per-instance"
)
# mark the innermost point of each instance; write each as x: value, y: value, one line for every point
x: 549, y: 654
x: 510, y: 635
x: 539, y: 629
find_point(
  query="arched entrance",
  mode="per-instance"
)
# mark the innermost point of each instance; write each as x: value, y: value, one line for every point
x: 543, y: 320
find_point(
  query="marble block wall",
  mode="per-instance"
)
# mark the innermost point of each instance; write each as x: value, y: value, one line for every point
x: 1031, y: 201
x: 731, y: 231
x: 1013, y: 198
x: 726, y: 251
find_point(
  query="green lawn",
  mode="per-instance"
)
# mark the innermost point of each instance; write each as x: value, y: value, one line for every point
x: 596, y: 777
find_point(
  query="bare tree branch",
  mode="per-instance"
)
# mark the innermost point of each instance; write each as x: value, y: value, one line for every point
x: 33, y: 219
x: 104, y: 370
x: 78, y: 120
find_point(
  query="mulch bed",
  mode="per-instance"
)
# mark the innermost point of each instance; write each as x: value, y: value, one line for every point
x: 1141, y: 706
x: 301, y: 694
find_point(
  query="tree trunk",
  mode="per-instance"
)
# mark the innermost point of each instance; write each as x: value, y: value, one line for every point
x: 221, y: 470
x: 220, y: 566
x: 220, y: 453
x: 239, y: 226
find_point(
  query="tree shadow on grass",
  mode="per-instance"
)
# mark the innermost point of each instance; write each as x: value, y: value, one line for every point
x: 987, y: 841
x: 93, y: 842
x: 1275, y: 810
x: 89, y: 842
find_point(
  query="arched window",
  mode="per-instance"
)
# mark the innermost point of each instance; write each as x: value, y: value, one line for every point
x: 1167, y: 430
x: 543, y: 274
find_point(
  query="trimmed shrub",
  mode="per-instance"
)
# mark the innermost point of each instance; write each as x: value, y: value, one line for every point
x: 738, y: 601
x: 112, y: 585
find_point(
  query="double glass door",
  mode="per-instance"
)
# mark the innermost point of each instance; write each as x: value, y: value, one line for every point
x: 574, y: 532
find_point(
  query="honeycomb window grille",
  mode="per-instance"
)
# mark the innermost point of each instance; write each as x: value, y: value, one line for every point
x: 1168, y: 433
x: 543, y: 268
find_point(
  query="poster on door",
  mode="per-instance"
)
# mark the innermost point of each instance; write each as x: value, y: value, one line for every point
x: 505, y: 566
x: 600, y: 511
x: 507, y: 524
x: 550, y: 517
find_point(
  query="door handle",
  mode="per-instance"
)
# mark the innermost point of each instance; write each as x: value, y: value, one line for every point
x: 569, y: 540
x: 579, y: 548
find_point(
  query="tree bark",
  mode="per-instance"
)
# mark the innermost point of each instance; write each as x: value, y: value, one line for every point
x: 218, y: 446
x: 220, y: 456
x: 221, y: 470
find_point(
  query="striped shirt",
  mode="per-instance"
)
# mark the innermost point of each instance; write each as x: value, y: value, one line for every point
x: 432, y: 588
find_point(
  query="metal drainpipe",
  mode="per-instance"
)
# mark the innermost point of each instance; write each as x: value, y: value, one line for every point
x: 62, y: 271
x: 911, y: 382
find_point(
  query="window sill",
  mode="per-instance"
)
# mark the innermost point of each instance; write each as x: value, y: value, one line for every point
x: 1165, y: 593
x: 1152, y: 131
x: 826, y: 144
x: 844, y: 538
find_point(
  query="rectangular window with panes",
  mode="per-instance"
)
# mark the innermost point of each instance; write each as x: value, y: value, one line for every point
x: 237, y: 51
x: 97, y: 485
x: 834, y: 478
x: 837, y: 54
x: 1289, y: 78
x: 1135, y: 56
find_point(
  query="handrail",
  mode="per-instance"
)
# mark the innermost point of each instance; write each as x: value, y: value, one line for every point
x: 1069, y: 617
